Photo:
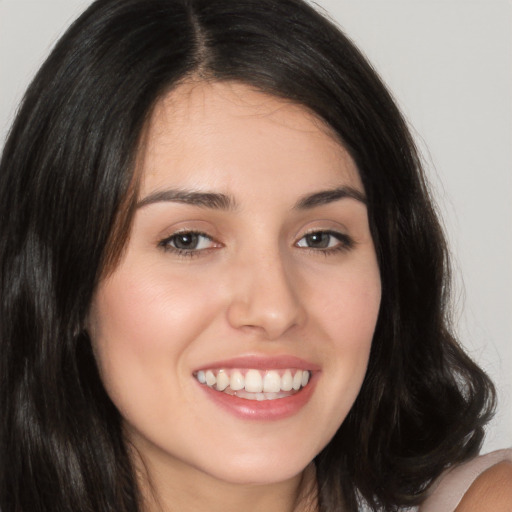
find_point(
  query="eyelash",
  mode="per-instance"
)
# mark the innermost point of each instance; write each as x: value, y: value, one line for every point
x: 346, y: 243
x: 189, y: 253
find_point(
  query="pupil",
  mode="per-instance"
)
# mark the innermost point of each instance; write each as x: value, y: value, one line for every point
x: 319, y: 240
x: 186, y: 241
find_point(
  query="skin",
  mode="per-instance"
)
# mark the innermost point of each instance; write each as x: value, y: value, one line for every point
x: 490, y: 492
x: 256, y: 285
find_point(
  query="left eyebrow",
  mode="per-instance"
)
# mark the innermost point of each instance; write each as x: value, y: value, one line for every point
x: 202, y: 199
x: 329, y: 196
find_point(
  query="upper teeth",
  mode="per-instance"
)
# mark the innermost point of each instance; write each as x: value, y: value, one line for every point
x: 254, y: 381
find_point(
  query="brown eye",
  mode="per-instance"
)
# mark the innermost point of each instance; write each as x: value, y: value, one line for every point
x: 319, y: 240
x: 187, y: 241
x: 325, y: 241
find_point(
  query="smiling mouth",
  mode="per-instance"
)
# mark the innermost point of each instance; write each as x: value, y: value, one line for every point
x: 252, y: 384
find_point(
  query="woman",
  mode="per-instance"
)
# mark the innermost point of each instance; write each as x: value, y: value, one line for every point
x: 223, y: 282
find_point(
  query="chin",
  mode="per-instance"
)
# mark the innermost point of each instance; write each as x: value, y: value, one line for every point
x: 258, y: 470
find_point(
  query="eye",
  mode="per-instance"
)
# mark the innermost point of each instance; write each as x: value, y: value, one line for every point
x: 325, y: 241
x: 187, y: 242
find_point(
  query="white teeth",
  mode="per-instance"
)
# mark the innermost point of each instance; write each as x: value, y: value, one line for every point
x: 255, y: 384
x: 222, y: 380
x: 237, y: 381
x: 287, y: 381
x: 253, y: 381
x: 210, y: 378
x: 297, y: 380
x: 261, y: 396
x: 272, y: 382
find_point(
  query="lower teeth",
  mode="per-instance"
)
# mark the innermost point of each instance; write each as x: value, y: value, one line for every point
x: 258, y: 396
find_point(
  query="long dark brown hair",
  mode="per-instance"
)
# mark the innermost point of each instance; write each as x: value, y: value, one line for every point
x: 66, y: 203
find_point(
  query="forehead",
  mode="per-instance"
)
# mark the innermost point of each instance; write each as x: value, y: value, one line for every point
x: 223, y: 135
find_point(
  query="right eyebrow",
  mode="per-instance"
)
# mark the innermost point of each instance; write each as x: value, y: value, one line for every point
x: 330, y: 196
x: 211, y: 200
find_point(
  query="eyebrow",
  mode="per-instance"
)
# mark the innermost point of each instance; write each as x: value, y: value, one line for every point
x: 210, y: 200
x: 329, y: 196
x: 218, y: 201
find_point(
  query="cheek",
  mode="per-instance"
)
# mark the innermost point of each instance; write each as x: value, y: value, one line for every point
x: 346, y: 315
x: 142, y: 324
x: 356, y: 317
x: 348, y: 305
x: 148, y: 309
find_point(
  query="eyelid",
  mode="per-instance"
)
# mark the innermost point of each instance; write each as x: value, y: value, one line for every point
x: 165, y: 243
x: 346, y: 242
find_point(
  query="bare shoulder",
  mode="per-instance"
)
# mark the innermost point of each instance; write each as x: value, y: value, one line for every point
x: 491, y: 491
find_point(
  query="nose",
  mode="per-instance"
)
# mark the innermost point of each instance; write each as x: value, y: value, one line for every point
x: 266, y: 299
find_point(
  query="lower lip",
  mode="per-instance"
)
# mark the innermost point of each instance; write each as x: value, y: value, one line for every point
x: 264, y: 410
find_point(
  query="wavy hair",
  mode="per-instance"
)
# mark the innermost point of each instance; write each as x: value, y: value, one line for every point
x: 66, y: 204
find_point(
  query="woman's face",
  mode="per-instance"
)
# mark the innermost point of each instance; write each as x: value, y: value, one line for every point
x: 234, y: 334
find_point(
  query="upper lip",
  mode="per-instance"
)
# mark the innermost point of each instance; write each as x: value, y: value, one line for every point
x: 260, y: 362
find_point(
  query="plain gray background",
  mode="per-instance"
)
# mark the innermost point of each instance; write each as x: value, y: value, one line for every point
x: 449, y: 65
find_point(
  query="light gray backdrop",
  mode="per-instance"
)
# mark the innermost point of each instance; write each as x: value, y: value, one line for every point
x: 449, y: 65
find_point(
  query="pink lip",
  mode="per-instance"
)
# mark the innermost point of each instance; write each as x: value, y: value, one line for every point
x: 265, y: 410
x: 262, y: 363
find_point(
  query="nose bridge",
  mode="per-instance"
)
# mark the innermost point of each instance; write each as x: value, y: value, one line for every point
x: 265, y: 295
